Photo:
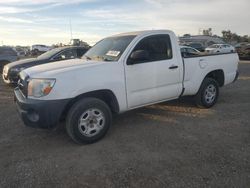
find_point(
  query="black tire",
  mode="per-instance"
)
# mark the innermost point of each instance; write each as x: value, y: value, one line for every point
x: 200, y: 98
x: 75, y: 113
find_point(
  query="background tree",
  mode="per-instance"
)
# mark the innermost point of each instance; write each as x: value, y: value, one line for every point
x: 207, y: 32
x: 230, y: 37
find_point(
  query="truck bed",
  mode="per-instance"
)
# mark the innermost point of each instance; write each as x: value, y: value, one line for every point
x: 197, y: 67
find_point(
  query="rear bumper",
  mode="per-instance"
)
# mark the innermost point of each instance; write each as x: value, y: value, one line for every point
x: 39, y: 113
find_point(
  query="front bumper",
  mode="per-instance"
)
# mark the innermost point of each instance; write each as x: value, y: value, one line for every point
x: 39, y: 113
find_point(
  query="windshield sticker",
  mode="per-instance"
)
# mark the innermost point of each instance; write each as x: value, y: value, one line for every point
x: 113, y: 53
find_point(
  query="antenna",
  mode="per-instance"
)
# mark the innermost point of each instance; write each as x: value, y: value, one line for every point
x: 70, y: 27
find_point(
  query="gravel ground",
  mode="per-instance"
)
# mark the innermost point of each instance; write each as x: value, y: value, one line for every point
x: 172, y: 144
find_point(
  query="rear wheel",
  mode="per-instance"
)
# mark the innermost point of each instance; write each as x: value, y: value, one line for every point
x: 88, y: 120
x: 208, y: 93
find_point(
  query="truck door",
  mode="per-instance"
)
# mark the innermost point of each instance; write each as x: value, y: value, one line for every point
x: 152, y: 72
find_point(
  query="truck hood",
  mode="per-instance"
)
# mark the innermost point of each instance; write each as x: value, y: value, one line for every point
x: 61, y: 66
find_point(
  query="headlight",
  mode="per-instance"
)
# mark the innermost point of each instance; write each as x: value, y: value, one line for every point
x: 40, y: 87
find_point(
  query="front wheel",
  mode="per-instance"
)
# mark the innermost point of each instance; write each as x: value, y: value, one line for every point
x: 208, y: 93
x: 88, y: 120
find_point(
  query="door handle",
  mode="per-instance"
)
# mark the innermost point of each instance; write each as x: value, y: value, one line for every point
x: 173, y: 67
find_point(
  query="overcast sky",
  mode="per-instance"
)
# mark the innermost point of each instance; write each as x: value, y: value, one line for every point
x: 26, y: 22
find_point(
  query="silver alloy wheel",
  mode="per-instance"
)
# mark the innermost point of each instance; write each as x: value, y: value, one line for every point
x: 91, y: 122
x: 210, y: 93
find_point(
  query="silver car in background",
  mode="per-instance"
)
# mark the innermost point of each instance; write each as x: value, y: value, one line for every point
x: 7, y: 55
x: 220, y: 48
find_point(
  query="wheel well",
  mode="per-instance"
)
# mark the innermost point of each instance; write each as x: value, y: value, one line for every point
x: 105, y: 95
x: 217, y: 75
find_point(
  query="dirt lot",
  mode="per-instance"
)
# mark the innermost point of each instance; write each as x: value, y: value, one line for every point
x: 168, y: 145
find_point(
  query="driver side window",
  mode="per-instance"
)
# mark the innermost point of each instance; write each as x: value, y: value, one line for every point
x: 152, y: 48
x: 68, y: 54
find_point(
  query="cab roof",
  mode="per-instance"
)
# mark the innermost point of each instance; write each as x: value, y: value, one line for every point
x: 137, y: 33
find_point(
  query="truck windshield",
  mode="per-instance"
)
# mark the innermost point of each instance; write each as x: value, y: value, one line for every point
x: 109, y: 49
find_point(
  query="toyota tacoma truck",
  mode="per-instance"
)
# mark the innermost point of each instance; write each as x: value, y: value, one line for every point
x: 118, y: 74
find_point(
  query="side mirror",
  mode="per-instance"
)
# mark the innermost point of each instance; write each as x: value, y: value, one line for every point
x: 58, y: 58
x: 138, y: 56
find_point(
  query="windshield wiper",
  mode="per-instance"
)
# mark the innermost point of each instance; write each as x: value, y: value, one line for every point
x: 102, y: 58
x: 87, y: 57
x: 106, y: 59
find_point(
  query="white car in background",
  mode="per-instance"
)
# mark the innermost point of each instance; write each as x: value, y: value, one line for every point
x: 220, y: 48
x: 39, y: 48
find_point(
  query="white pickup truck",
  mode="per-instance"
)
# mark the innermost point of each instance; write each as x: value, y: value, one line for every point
x: 119, y: 73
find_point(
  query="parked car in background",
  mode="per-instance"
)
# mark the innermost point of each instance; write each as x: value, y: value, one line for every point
x: 7, y: 55
x: 220, y: 48
x: 197, y: 46
x: 241, y: 44
x: 187, y: 51
x: 21, y: 51
x: 78, y: 42
x: 11, y: 70
x: 244, y: 52
x: 39, y: 49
